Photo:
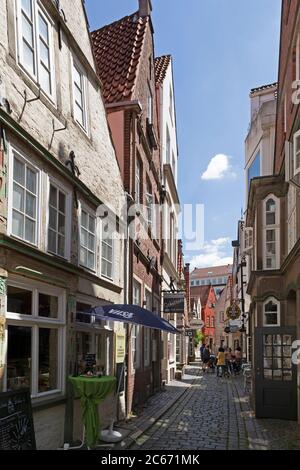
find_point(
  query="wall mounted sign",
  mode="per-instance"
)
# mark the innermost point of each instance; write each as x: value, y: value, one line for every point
x: 120, y: 347
x: 173, y: 302
x: 233, y: 312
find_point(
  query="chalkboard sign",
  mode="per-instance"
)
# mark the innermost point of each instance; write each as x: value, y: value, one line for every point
x: 90, y: 360
x: 16, y: 423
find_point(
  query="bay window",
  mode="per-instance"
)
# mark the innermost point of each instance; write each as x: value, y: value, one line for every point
x: 35, y: 338
x: 35, y: 43
x: 24, y: 205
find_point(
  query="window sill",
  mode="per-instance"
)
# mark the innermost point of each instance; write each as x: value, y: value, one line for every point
x: 40, y: 404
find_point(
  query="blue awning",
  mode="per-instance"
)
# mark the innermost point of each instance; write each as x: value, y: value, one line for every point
x: 132, y: 314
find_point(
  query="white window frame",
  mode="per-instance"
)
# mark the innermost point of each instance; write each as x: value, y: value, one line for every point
x: 76, y: 65
x: 296, y: 152
x: 112, y: 261
x: 36, y: 10
x: 248, y: 239
x: 68, y: 194
x: 136, y: 332
x: 149, y: 205
x: 276, y: 228
x: 35, y: 323
x: 150, y: 110
x: 13, y: 151
x: 138, y: 179
x: 275, y: 302
x: 91, y: 213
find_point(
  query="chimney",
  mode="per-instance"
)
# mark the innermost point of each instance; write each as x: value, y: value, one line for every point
x: 145, y: 8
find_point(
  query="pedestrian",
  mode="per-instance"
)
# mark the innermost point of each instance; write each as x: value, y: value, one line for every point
x: 201, y: 351
x: 238, y: 358
x: 221, y: 362
x: 206, y: 358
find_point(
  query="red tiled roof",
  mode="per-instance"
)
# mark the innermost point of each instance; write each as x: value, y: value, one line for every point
x: 201, y: 292
x: 161, y: 66
x: 264, y: 87
x: 117, y: 49
x: 211, y: 272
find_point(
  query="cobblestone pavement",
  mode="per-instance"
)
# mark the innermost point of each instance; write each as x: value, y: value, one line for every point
x: 207, y: 412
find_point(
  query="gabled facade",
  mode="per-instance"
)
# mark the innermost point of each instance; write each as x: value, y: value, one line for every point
x: 124, y: 51
x: 58, y: 257
x: 208, y: 300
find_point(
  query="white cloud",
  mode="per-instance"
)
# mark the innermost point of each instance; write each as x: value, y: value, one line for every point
x: 218, y: 168
x: 214, y: 253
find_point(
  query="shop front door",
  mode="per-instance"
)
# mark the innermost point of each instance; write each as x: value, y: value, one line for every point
x: 275, y: 375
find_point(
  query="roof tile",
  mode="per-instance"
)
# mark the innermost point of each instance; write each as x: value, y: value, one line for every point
x: 161, y: 67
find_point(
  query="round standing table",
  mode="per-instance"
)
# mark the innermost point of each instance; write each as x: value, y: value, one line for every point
x: 92, y: 391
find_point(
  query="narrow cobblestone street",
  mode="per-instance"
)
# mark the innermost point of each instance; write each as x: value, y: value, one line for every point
x: 211, y: 413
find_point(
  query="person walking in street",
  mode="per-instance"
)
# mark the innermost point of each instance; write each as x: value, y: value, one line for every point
x: 238, y: 359
x: 206, y: 358
x: 221, y: 362
x: 202, y: 351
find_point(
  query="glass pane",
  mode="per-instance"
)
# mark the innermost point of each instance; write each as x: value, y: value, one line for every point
x: 271, y: 219
x: 268, y: 374
x: 19, y: 172
x: 30, y: 205
x: 27, y: 7
x: 287, y: 339
x: 53, y: 196
x: 92, y: 224
x: 18, y: 224
x: 268, y: 339
x: 270, y: 235
x: 45, y: 80
x: 277, y: 351
x: 48, y: 359
x: 77, y: 78
x: 53, y: 218
x: 79, y: 115
x: 61, y: 224
x: 31, y: 180
x: 104, y: 251
x: 52, y: 241
x: 287, y: 351
x: 43, y: 29
x: 18, y: 358
x: 83, y: 256
x: 268, y: 351
x: 29, y: 230
x: 18, y: 198
x: 287, y: 375
x: 91, y: 245
x: 44, y: 55
x: 19, y: 301
x: 109, y: 270
x: 28, y: 58
x: 62, y: 202
x: 277, y: 339
x: 84, y: 238
x: 277, y: 374
x: 271, y: 318
x: 91, y: 260
x: 267, y: 363
x: 61, y: 245
x: 277, y: 363
x: 78, y: 97
x: 27, y: 31
x: 271, y: 249
x: 84, y: 219
x: 287, y: 363
x: 48, y: 306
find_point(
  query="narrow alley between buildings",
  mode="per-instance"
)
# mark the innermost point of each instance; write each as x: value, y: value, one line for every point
x: 205, y: 412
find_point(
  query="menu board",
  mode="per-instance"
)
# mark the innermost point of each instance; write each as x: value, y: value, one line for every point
x: 16, y: 423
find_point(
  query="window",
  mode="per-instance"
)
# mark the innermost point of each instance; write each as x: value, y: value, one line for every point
x: 171, y: 103
x: 57, y: 223
x: 35, y: 44
x: 208, y: 322
x: 149, y: 205
x: 248, y: 238
x: 254, y: 169
x: 35, y: 329
x: 25, y: 202
x: 107, y: 254
x: 138, y: 180
x: 174, y: 165
x: 272, y: 312
x: 150, y: 106
x: 136, y: 331
x: 297, y: 153
x: 168, y: 147
x: 87, y: 240
x: 271, y: 233
x: 79, y: 95
x: 212, y: 322
x: 222, y: 319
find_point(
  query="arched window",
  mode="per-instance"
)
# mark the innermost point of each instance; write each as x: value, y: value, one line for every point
x: 270, y: 212
x: 271, y: 312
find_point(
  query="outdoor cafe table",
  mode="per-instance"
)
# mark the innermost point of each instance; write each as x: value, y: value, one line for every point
x: 92, y: 391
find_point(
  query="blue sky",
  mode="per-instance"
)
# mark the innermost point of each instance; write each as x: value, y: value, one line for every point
x: 221, y: 49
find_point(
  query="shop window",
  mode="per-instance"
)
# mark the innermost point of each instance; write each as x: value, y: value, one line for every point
x: 19, y: 300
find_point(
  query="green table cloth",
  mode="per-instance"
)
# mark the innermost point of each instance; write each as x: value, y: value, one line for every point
x: 91, y: 391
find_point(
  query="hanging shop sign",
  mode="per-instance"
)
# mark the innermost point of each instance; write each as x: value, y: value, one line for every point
x: 173, y: 302
x: 120, y: 347
x: 233, y: 312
